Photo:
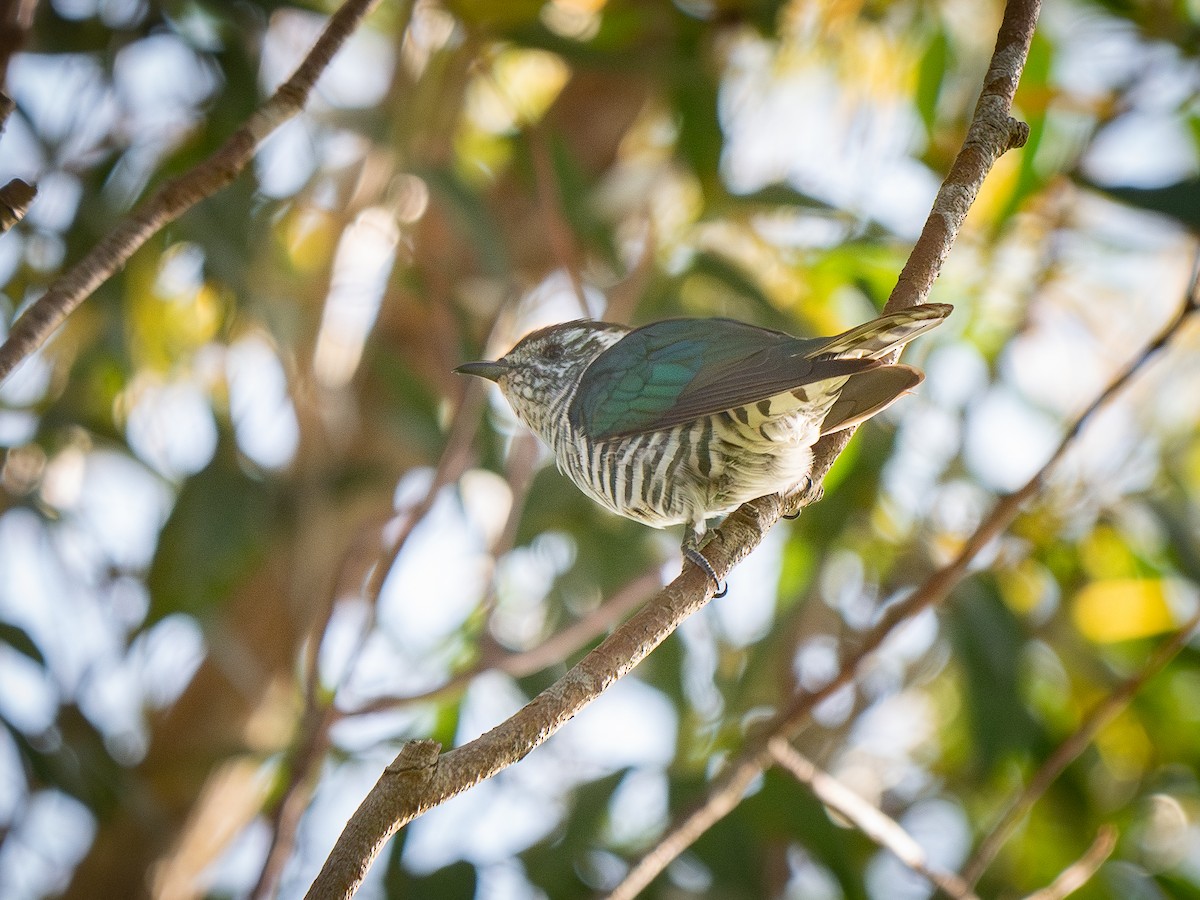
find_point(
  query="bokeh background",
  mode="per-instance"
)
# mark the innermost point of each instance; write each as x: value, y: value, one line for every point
x: 206, y: 649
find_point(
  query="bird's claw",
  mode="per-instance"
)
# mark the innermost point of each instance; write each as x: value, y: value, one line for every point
x: 809, y: 494
x: 697, y: 558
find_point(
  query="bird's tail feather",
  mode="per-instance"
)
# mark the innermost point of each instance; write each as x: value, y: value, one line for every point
x: 867, y: 393
x: 880, y: 336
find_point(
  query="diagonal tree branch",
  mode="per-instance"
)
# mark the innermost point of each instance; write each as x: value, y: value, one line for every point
x: 176, y: 197
x: 399, y: 796
x: 724, y: 792
x: 870, y: 820
x: 396, y: 799
x: 1080, y: 872
x: 552, y: 651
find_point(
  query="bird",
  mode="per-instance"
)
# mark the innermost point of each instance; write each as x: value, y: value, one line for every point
x: 680, y: 421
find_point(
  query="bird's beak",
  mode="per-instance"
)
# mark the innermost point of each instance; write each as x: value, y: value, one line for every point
x: 489, y: 370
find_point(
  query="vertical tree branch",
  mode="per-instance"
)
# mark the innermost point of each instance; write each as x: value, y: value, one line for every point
x: 175, y: 197
x: 15, y: 20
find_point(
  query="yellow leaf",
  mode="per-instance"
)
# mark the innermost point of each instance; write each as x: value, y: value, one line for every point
x: 1121, y: 609
x: 1105, y: 556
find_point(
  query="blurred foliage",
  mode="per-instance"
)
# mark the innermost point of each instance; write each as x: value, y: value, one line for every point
x: 199, y: 472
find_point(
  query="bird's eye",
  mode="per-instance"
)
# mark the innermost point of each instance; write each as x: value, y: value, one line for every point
x: 552, y: 351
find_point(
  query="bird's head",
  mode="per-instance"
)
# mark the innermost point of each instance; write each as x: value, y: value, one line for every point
x: 546, y: 365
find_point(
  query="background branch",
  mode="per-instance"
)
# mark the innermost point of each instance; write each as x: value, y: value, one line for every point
x: 176, y: 197
x: 870, y: 820
x: 395, y: 801
x: 1080, y: 872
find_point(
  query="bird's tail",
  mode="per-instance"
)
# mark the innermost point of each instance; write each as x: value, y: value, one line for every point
x: 878, y: 337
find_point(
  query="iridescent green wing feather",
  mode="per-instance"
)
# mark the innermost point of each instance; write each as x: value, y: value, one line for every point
x: 680, y: 370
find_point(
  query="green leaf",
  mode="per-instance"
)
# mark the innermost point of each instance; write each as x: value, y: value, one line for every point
x: 786, y: 810
x: 716, y: 285
x: 694, y: 93
x: 468, y: 211
x: 19, y: 640
x: 1177, y: 887
x: 217, y: 534
x: 74, y: 759
x: 1179, y: 201
x: 987, y: 642
x: 767, y: 198
x: 459, y: 879
x: 556, y: 863
x: 930, y: 75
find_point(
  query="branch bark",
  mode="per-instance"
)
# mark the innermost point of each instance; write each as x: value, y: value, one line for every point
x: 174, y: 198
x: 991, y: 134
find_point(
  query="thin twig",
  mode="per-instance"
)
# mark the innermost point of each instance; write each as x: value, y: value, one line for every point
x: 289, y: 809
x: 756, y: 756
x: 1070, y: 749
x: 175, y: 197
x: 717, y: 804
x: 870, y: 820
x: 1081, y: 871
x: 320, y: 711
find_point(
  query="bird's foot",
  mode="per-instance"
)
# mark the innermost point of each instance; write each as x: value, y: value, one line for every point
x: 806, y: 496
x: 691, y: 552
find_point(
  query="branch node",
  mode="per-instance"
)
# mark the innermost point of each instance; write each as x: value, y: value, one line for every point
x: 15, y: 198
x: 416, y: 758
x: 1018, y: 134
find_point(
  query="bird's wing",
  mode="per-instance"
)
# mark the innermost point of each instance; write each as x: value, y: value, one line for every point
x: 682, y: 369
